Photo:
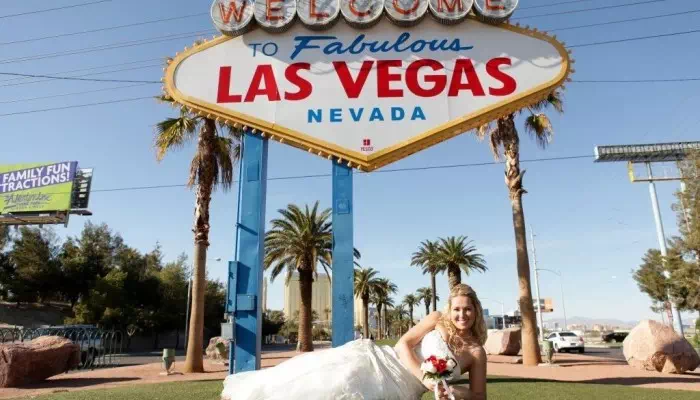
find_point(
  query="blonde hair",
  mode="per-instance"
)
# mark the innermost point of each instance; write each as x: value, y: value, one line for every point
x: 478, y: 330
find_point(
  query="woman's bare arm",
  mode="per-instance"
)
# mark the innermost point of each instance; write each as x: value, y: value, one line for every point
x: 404, y: 347
x: 477, y: 375
x: 477, y: 379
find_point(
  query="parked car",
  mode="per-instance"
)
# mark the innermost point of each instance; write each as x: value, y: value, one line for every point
x: 614, y: 337
x: 566, y: 341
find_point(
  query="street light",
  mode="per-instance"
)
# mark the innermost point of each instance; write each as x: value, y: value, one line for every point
x: 561, y: 285
x: 503, y: 314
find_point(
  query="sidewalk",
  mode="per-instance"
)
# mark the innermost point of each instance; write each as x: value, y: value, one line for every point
x: 570, y: 368
x: 584, y: 368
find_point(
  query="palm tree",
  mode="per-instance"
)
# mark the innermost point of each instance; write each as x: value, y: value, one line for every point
x: 400, y: 313
x: 410, y: 301
x: 381, y: 298
x: 457, y: 255
x: 504, y: 139
x: 427, y: 257
x: 327, y: 312
x: 297, y: 243
x: 426, y: 295
x: 365, y: 282
x: 218, y: 150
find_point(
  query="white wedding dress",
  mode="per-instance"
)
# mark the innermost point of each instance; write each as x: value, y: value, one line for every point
x: 358, y: 370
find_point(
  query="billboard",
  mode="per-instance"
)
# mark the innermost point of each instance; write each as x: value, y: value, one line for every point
x: 546, y: 305
x: 36, y: 187
x: 366, y: 97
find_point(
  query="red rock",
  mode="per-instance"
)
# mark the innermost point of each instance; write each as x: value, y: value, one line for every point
x: 503, y: 342
x: 653, y: 346
x: 35, y: 361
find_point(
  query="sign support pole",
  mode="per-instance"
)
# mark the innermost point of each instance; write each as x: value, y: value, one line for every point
x: 343, y: 266
x: 246, y: 275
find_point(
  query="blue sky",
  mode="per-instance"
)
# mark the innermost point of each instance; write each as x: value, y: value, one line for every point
x: 591, y: 222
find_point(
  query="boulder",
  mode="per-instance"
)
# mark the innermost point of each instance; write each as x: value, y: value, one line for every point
x: 217, y: 349
x: 653, y: 346
x: 503, y: 342
x: 37, y: 360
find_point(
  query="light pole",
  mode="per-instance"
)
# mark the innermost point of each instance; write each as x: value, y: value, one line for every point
x: 674, y: 315
x: 561, y: 285
x: 538, y: 310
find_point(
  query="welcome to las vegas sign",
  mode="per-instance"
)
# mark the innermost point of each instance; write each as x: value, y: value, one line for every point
x: 361, y: 86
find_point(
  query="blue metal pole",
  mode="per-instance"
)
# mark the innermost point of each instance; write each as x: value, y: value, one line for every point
x: 343, y: 267
x: 248, y: 274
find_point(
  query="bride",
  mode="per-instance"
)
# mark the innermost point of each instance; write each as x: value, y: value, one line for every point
x: 361, y: 370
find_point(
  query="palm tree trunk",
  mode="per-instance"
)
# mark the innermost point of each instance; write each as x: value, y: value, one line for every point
x: 514, y: 178
x: 427, y: 306
x: 410, y: 312
x: 365, y: 316
x: 379, y: 321
x: 434, y: 294
x: 205, y: 183
x: 454, y: 275
x: 195, y: 341
x: 305, y: 313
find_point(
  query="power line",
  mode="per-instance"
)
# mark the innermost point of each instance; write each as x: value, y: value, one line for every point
x: 325, y: 175
x: 109, y: 28
x: 632, y: 39
x: 158, y: 59
x: 74, y: 78
x: 636, y: 3
x: 91, y: 68
x: 638, y: 80
x: 623, y: 21
x: 91, y: 74
x: 54, y: 9
x: 160, y: 39
x: 553, y: 5
x: 111, y: 46
x: 75, y: 106
x: 73, y: 93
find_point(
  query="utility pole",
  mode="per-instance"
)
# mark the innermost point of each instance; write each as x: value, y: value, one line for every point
x: 674, y: 315
x: 538, y: 309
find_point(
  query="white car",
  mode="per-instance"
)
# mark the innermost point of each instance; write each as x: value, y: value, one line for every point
x: 566, y: 341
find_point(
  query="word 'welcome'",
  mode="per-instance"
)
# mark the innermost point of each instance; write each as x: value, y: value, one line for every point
x: 234, y: 17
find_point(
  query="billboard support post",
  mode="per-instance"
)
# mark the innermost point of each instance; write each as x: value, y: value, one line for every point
x: 250, y: 231
x: 343, y: 251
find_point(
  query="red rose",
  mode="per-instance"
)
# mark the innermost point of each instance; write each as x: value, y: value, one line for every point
x: 442, y: 366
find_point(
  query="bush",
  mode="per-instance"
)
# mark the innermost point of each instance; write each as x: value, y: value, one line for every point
x: 320, y: 334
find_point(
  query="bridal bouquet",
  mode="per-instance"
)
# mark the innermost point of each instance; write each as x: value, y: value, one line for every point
x: 437, y: 369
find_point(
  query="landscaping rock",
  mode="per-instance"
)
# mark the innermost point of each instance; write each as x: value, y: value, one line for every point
x: 653, y: 346
x: 218, y: 349
x: 503, y: 342
x: 35, y: 361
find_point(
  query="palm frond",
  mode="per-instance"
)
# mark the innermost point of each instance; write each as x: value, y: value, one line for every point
x: 173, y: 133
x: 223, y: 151
x: 539, y: 127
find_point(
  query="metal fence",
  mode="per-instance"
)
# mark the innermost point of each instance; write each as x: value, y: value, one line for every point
x: 98, y: 348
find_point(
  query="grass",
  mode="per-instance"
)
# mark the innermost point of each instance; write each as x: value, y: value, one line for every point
x: 498, y: 388
x: 386, y: 342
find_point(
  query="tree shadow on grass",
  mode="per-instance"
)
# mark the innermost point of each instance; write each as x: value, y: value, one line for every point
x: 75, y: 383
x: 636, y: 381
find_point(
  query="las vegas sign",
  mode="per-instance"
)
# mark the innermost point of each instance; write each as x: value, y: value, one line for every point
x: 366, y: 82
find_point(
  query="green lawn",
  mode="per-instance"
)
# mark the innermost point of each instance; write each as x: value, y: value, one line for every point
x: 499, y: 388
